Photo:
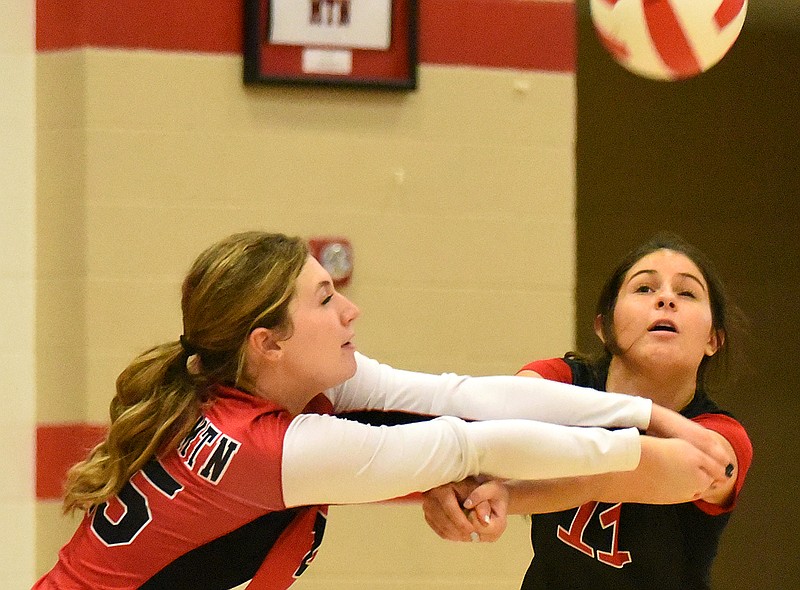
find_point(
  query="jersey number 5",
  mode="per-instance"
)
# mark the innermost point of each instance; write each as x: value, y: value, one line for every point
x: 136, y: 514
x: 608, y: 518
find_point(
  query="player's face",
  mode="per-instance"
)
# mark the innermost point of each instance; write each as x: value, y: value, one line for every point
x: 320, y: 352
x: 663, y: 312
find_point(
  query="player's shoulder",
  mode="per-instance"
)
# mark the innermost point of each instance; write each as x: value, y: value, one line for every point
x: 572, y: 368
x: 552, y: 369
x: 703, y: 405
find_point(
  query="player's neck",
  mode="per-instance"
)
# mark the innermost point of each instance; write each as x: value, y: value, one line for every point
x: 672, y: 390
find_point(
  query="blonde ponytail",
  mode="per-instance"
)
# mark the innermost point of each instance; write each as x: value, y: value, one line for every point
x: 244, y: 281
x: 155, y: 405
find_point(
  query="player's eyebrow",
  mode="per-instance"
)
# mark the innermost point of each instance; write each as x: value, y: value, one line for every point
x: 650, y: 271
x: 690, y: 276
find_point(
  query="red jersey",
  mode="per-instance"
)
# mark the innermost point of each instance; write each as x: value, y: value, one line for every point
x: 195, y: 514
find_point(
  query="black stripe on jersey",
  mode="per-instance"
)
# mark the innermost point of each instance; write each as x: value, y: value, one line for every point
x: 227, y: 561
x: 379, y: 418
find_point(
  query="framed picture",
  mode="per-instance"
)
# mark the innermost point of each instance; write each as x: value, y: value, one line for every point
x: 366, y: 43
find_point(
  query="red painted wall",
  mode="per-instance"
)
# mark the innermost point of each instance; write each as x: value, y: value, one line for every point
x: 486, y: 33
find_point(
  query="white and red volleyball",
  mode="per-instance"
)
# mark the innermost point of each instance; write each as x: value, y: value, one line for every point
x: 668, y: 39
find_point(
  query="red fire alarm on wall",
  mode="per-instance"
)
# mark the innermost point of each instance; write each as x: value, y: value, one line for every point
x: 335, y: 255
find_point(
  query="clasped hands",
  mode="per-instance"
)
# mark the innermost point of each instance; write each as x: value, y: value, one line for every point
x: 474, y: 509
x: 687, y: 464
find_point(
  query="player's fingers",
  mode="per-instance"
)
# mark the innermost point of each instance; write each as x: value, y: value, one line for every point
x: 493, y: 493
x: 447, y: 530
x: 445, y: 516
x: 488, y: 531
x: 483, y: 512
x: 445, y: 533
x: 718, y: 472
x: 710, y: 444
x: 484, y: 494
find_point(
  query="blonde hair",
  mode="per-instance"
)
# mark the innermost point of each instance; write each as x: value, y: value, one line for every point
x: 242, y: 282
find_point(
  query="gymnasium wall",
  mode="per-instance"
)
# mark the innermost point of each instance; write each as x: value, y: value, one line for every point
x: 458, y: 199
x: 17, y: 287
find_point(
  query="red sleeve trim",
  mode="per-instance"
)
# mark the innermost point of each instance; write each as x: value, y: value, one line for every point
x: 735, y: 434
x: 555, y: 369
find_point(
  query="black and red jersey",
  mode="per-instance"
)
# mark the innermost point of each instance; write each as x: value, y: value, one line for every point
x: 602, y: 546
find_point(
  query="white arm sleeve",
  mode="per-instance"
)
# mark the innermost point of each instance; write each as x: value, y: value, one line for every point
x: 376, y: 386
x: 328, y: 460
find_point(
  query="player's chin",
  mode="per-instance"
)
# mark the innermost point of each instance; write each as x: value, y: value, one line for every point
x: 349, y: 364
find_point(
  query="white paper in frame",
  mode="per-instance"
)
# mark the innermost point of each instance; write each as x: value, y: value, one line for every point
x: 357, y: 24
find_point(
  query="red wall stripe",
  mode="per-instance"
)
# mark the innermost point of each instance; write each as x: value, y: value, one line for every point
x: 172, y: 25
x: 58, y: 447
x: 496, y: 33
x: 536, y: 35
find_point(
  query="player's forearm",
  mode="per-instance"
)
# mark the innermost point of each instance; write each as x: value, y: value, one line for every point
x: 378, y: 386
x: 539, y: 497
x: 553, y: 495
x: 369, y: 464
x: 670, y: 471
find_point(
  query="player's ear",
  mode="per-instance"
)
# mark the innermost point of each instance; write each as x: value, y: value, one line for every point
x: 598, y: 328
x: 715, y: 341
x: 264, y: 342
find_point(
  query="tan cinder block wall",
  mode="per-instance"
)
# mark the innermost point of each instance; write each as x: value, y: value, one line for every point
x: 17, y: 289
x: 458, y: 199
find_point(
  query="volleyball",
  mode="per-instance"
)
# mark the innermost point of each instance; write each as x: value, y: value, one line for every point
x: 668, y: 39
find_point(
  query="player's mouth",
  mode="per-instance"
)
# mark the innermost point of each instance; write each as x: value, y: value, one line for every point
x: 663, y: 326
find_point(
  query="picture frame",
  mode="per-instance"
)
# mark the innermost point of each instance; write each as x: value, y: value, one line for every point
x: 356, y: 43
